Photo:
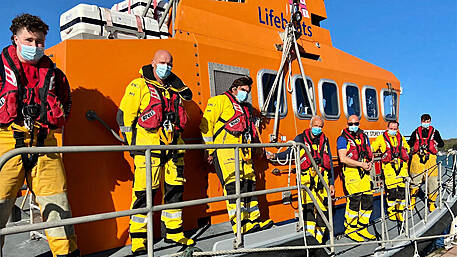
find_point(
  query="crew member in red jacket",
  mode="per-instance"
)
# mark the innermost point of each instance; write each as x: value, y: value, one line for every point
x: 34, y: 103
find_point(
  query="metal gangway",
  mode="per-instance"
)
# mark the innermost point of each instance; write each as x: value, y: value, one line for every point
x: 238, y: 247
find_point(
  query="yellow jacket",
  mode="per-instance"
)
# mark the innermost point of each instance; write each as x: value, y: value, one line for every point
x: 218, y: 107
x: 135, y: 100
x: 381, y: 144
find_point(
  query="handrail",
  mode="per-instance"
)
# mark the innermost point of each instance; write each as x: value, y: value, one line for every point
x: 149, y: 210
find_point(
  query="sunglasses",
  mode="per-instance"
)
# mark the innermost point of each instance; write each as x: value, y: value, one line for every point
x: 353, y: 123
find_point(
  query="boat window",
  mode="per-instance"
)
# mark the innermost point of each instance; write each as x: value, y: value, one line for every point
x: 389, y: 99
x: 370, y: 102
x: 351, y: 96
x: 265, y: 79
x: 300, y: 101
x: 329, y: 103
x: 221, y: 77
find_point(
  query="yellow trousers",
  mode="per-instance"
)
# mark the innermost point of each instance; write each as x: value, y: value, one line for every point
x: 360, y: 203
x: 225, y: 169
x: 47, y: 181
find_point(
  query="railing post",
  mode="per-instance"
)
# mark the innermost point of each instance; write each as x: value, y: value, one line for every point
x: 407, y: 195
x: 383, y: 217
x: 239, y: 238
x: 149, y: 201
x: 426, y: 197
x: 301, y: 220
x: 440, y: 184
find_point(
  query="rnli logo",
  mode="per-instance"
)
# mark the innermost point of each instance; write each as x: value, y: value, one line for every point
x: 148, y: 115
x: 234, y: 122
x: 10, y: 77
x: 154, y: 93
x: 2, y: 102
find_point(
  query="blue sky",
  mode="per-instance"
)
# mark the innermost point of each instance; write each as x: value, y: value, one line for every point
x: 414, y: 39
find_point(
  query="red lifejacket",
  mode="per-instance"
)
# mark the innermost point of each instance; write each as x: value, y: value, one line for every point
x: 320, y: 156
x: 356, y: 151
x: 161, y: 109
x: 19, y: 101
x: 394, y: 152
x: 240, y: 123
x: 428, y: 143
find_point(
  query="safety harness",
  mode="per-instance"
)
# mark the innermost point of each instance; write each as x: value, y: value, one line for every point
x: 240, y: 123
x: 28, y: 105
x: 425, y: 146
x: 358, y: 152
x: 166, y: 115
x: 394, y: 153
x: 320, y: 156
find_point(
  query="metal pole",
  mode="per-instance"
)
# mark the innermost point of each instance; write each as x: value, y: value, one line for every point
x: 406, y: 208
x: 383, y: 216
x: 173, y: 17
x: 453, y: 174
x: 278, y: 104
x: 440, y: 185
x: 300, y: 196
x: 147, y: 8
x: 309, y: 93
x: 149, y: 201
x: 426, y: 197
x: 239, y: 239
x: 165, y: 14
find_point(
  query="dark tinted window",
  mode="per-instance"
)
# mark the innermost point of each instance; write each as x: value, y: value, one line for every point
x: 267, y: 83
x: 330, y: 99
x: 390, y: 105
x: 352, y: 100
x: 301, y: 97
x: 371, y: 103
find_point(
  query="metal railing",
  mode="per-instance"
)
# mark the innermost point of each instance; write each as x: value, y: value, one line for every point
x: 150, y: 209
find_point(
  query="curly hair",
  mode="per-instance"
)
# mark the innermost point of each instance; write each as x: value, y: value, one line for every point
x: 30, y: 22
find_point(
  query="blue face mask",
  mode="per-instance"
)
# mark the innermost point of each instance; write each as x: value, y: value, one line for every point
x: 392, y: 132
x: 242, y: 96
x: 31, y: 53
x: 163, y: 70
x: 353, y: 128
x: 425, y: 125
x: 316, y: 130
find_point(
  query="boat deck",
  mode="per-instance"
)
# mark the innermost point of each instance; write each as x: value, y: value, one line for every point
x: 219, y: 237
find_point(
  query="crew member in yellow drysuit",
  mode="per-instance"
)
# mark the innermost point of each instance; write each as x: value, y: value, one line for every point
x: 228, y: 120
x: 394, y: 160
x: 34, y: 101
x: 151, y: 113
x: 355, y: 155
x: 424, y: 143
x: 318, y: 146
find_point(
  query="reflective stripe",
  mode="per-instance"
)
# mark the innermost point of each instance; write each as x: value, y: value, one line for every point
x: 125, y: 129
x: 253, y: 209
x: 308, y: 226
x: 350, y: 215
x: 365, y: 214
x: 172, y: 215
x: 233, y: 211
x: 208, y: 139
x: 139, y: 219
